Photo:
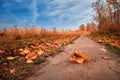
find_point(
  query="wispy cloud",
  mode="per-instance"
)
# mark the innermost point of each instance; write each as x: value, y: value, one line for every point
x: 6, y: 4
x: 70, y: 11
x: 34, y: 8
x: 19, y: 1
x: 54, y: 13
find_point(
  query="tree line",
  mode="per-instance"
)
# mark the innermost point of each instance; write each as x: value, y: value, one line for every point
x: 89, y: 27
x: 107, y: 15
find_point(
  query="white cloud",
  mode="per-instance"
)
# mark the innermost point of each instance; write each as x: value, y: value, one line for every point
x: 34, y: 10
x: 54, y: 13
x: 76, y: 11
x: 59, y: 12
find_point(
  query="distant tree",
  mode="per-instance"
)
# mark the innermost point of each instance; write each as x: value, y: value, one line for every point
x: 88, y: 27
x: 15, y: 27
x: 54, y: 31
x: 82, y: 27
x: 93, y: 27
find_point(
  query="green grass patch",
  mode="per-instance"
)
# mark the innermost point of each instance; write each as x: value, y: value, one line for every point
x: 24, y: 71
x: 113, y: 48
x: 39, y: 60
x: 55, y: 51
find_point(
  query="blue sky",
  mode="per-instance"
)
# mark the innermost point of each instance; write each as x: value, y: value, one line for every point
x: 62, y: 14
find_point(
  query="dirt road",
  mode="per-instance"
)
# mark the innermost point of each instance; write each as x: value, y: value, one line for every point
x: 102, y: 66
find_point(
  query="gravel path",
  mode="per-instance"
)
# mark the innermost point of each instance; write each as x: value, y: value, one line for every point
x: 102, y: 66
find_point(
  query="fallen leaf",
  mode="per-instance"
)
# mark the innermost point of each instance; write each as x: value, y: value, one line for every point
x: 24, y: 52
x: 12, y: 71
x: 78, y: 57
x: 40, y: 52
x: 36, y: 47
x: 29, y: 61
x: 31, y: 55
x: 11, y: 57
x: 1, y: 51
x: 105, y: 57
x: 21, y: 49
x: 34, y: 57
x: 21, y: 59
x: 103, y: 49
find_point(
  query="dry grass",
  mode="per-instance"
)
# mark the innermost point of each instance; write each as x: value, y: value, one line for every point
x: 111, y: 41
x: 14, y: 42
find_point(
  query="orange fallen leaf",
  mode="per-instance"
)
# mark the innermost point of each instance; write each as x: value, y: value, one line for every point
x: 34, y: 57
x: 11, y: 57
x: 40, y: 52
x: 78, y: 57
x: 31, y: 55
x: 21, y: 49
x: 29, y: 61
x: 12, y: 71
x: 36, y: 46
x: 24, y: 52
x: 1, y: 51
x: 80, y: 60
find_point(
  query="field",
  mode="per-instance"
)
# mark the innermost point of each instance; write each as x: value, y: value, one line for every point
x: 22, y: 49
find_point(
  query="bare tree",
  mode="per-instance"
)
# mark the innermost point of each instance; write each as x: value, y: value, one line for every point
x: 107, y: 15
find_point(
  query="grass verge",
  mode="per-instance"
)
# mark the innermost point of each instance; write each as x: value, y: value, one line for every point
x: 112, y: 48
x: 111, y: 41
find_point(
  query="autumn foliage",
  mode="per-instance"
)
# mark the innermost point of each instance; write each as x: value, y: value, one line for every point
x: 21, y: 48
x: 107, y: 15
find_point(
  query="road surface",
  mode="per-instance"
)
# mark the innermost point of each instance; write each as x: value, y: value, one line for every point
x: 102, y: 66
